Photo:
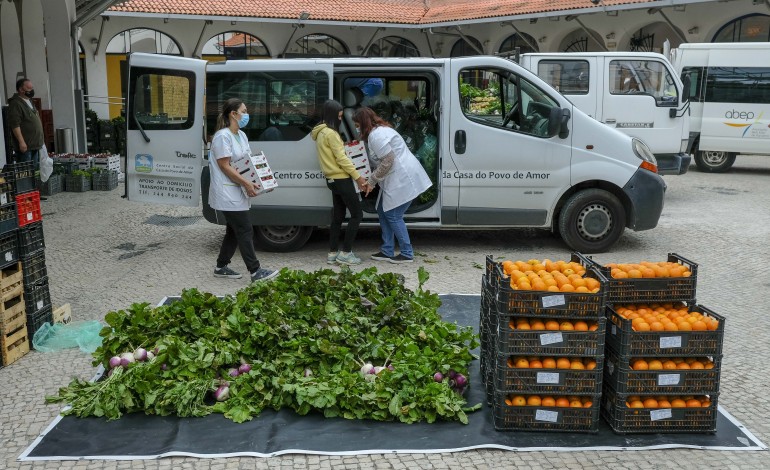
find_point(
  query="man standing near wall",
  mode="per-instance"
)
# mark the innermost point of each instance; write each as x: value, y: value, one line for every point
x: 25, y: 124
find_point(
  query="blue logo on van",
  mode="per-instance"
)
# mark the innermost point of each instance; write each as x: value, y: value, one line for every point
x: 143, y: 163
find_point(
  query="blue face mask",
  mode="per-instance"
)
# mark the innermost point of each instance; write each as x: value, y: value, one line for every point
x: 243, y: 120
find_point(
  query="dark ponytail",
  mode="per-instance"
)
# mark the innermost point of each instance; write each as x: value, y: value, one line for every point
x: 331, y: 114
x: 232, y: 104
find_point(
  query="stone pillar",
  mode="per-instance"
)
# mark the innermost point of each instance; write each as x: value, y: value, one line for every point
x: 35, y: 49
x: 10, y: 48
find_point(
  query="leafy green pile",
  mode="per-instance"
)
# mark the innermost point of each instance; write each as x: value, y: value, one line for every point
x: 305, y: 335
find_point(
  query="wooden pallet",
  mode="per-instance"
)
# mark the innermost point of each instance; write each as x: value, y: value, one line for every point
x: 14, y: 345
x: 62, y: 314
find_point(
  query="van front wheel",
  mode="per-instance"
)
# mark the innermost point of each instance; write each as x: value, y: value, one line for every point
x: 592, y: 221
x: 711, y: 161
x: 281, y: 238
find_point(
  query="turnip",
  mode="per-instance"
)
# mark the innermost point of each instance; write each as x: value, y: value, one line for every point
x: 140, y: 354
x: 244, y: 369
x: 308, y: 372
x: 222, y: 393
x: 114, y: 362
x: 126, y: 359
x: 452, y: 383
x: 460, y: 381
x: 451, y: 374
x: 164, y: 366
x: 156, y: 351
x: 150, y: 356
x: 233, y: 372
x: 378, y: 369
x: 438, y: 377
x: 367, y: 368
x: 391, y: 368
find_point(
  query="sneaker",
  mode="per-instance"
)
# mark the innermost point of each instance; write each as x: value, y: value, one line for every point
x: 263, y: 275
x: 380, y: 257
x: 331, y: 258
x: 401, y: 259
x: 348, y: 258
x: 226, y: 272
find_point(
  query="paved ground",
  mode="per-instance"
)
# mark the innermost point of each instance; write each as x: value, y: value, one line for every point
x: 101, y: 255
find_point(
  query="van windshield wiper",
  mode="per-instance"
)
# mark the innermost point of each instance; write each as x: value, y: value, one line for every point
x: 141, y: 129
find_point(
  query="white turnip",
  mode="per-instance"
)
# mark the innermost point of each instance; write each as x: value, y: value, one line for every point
x: 222, y: 393
x: 126, y: 359
x: 150, y: 356
x: 367, y: 368
x: 114, y: 362
x: 140, y: 354
x: 308, y: 372
x: 244, y: 369
x: 378, y: 369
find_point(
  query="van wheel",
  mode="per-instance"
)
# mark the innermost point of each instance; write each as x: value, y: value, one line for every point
x: 281, y: 238
x: 592, y: 221
x: 710, y: 161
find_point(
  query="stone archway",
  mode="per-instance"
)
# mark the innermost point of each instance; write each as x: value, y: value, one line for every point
x: 580, y: 41
x: 651, y: 37
x: 234, y: 45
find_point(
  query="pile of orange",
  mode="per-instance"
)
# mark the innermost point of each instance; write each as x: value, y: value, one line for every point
x: 674, y: 363
x: 534, y: 362
x: 554, y: 401
x: 665, y: 317
x: 668, y: 401
x: 547, y: 275
x: 648, y: 269
x: 552, y: 324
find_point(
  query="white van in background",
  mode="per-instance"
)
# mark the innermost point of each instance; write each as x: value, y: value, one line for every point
x: 502, y: 148
x: 730, y: 100
x: 638, y: 93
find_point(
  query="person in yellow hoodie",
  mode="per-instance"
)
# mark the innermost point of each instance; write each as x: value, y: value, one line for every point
x: 341, y: 176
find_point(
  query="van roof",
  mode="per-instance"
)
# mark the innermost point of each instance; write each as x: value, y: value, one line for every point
x: 725, y: 45
x: 352, y: 61
x: 595, y: 54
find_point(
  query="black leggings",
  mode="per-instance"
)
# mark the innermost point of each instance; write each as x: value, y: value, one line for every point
x: 238, y: 234
x: 344, y: 197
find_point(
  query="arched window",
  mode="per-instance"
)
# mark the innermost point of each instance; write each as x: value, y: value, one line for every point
x: 463, y: 48
x: 234, y: 45
x: 317, y: 45
x: 523, y: 41
x: 392, y: 46
x: 750, y: 28
x: 650, y: 38
x: 579, y: 41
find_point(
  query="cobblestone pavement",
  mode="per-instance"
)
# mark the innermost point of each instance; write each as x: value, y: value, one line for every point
x: 101, y: 255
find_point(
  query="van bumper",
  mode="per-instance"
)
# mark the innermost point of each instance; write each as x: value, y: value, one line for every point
x: 645, y: 191
x: 673, y: 164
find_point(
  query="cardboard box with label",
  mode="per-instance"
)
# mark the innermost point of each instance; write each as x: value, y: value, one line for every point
x: 257, y: 170
x: 356, y: 151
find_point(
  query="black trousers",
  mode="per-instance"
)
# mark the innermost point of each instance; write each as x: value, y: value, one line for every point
x: 344, y: 197
x: 238, y: 234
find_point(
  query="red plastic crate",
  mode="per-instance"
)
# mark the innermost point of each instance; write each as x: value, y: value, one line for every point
x: 28, y: 208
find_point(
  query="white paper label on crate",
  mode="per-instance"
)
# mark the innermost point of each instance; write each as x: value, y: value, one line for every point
x: 657, y: 415
x: 3, y: 199
x: 671, y: 342
x: 611, y: 367
x: 553, y: 301
x: 29, y: 215
x: 8, y: 255
x: 669, y: 379
x: 551, y: 338
x: 39, y: 304
x: 548, y: 377
x: 547, y: 415
x: 614, y: 330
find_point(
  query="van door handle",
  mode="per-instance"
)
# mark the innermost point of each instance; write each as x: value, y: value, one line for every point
x: 460, y: 142
x: 610, y: 121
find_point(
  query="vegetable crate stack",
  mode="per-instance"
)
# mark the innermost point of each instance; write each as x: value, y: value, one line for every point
x: 542, y: 338
x: 31, y: 243
x: 664, y: 351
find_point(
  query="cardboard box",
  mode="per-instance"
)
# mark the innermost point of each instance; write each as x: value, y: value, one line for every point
x: 257, y: 170
x: 356, y: 151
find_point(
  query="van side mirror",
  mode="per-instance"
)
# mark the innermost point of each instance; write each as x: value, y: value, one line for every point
x: 558, y: 122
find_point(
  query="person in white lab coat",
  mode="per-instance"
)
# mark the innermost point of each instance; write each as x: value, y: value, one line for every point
x: 401, y: 179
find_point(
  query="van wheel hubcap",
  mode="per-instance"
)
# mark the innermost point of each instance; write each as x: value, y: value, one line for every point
x: 280, y: 233
x: 714, y: 158
x: 594, y: 222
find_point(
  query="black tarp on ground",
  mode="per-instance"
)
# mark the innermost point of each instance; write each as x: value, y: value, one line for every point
x: 139, y: 436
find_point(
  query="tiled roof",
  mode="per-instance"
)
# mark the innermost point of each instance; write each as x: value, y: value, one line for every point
x: 373, y: 11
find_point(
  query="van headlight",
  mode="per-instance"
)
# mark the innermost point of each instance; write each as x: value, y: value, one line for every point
x: 643, y: 151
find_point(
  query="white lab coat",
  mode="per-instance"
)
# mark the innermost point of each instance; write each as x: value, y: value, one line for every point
x: 224, y: 194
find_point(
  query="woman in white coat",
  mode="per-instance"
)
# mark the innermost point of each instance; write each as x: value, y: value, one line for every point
x: 401, y: 179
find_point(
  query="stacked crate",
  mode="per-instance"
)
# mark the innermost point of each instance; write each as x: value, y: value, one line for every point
x: 544, y: 397
x: 651, y: 383
x: 105, y: 172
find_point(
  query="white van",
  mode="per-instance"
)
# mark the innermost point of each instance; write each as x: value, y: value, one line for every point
x: 730, y: 100
x: 503, y: 148
x: 635, y: 92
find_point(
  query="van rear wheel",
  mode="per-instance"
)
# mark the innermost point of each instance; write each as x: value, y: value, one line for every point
x: 281, y: 238
x: 592, y: 221
x: 711, y: 161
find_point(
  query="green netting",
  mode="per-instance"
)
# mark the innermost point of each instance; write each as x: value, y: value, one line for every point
x: 79, y: 334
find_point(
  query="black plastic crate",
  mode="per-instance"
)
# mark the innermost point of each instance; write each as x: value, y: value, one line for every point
x: 64, y: 168
x: 9, y: 249
x: 104, y: 181
x: 549, y: 343
x: 619, y: 374
x: 37, y: 296
x: 545, y: 418
x: 638, y: 290
x: 77, y: 183
x: 9, y: 222
x: 533, y: 303
x: 36, y: 320
x: 629, y: 343
x: 21, y: 176
x: 34, y: 269
x: 7, y: 193
x: 31, y: 239
x: 54, y: 185
x: 547, y: 381
x: 625, y: 420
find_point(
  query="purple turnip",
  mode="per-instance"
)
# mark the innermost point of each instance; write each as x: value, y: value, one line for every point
x: 164, y: 366
x: 308, y: 372
x: 140, y: 354
x: 126, y: 359
x: 233, y: 372
x: 451, y: 374
x: 391, y: 368
x: 244, y: 369
x: 460, y: 381
x: 222, y: 393
x: 366, y: 368
x: 114, y: 362
x: 438, y: 376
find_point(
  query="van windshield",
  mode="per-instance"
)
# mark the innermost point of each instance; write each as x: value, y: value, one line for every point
x: 648, y: 77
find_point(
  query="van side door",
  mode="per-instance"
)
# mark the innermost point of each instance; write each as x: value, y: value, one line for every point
x: 164, y: 139
x: 509, y: 171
